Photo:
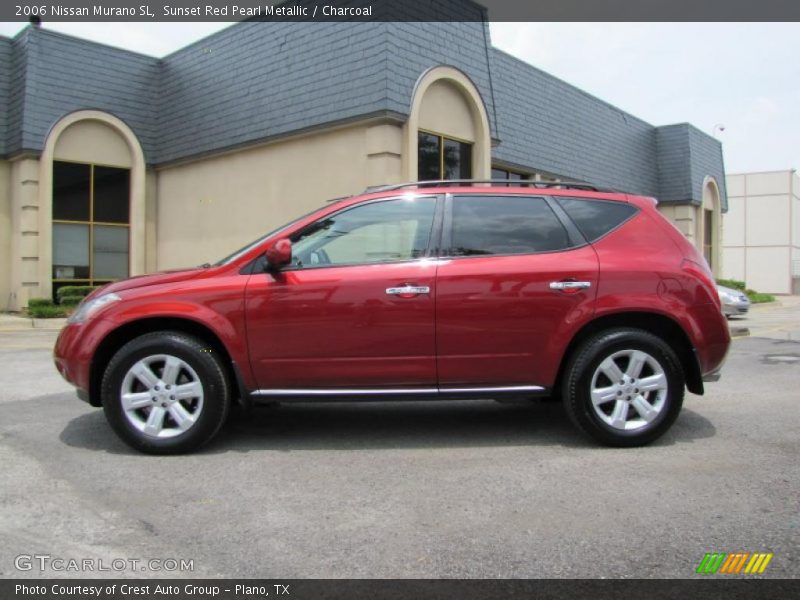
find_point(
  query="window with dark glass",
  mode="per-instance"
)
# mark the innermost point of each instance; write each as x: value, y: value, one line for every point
x: 91, y: 223
x: 708, y: 236
x: 595, y: 218
x: 391, y: 230
x: 71, y: 191
x: 440, y: 157
x: 111, y: 189
x: 485, y: 225
x: 498, y: 173
x: 429, y: 161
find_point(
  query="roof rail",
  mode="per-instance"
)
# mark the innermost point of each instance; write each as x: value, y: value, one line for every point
x: 574, y: 185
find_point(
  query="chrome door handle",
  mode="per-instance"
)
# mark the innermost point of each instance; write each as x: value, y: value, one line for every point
x: 570, y: 285
x: 408, y: 290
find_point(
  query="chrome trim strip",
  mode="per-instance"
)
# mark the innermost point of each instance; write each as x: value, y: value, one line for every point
x: 342, y: 392
x: 506, y: 388
x: 392, y: 391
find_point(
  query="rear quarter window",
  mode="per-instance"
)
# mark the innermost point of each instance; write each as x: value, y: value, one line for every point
x: 595, y: 218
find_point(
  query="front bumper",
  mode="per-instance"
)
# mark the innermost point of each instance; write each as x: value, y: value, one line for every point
x: 73, y: 354
x: 736, y: 308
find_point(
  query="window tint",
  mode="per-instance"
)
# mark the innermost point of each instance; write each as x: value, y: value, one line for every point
x: 457, y: 160
x: 110, y: 252
x: 510, y: 175
x: 428, y: 160
x: 595, y: 218
x: 378, y: 232
x: 71, y: 188
x: 70, y: 251
x: 111, y: 190
x: 440, y: 157
x: 91, y: 216
x: 505, y: 225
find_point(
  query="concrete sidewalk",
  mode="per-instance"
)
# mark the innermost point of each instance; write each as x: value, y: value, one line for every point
x: 779, y: 320
x: 16, y: 322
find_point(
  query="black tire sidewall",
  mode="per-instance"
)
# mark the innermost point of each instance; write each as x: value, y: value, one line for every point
x: 577, y: 385
x: 206, y: 364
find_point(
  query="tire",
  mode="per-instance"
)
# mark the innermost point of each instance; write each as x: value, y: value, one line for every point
x: 165, y: 393
x: 620, y: 406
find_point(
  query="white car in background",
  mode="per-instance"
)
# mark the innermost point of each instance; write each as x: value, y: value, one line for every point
x: 734, y: 302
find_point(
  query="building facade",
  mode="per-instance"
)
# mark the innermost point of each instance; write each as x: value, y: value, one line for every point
x: 114, y: 163
x: 761, y: 242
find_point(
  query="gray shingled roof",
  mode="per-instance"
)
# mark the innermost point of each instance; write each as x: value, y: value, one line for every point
x: 55, y: 74
x: 561, y: 129
x: 686, y: 156
x: 5, y: 68
x: 255, y: 81
x: 259, y: 80
x: 413, y: 48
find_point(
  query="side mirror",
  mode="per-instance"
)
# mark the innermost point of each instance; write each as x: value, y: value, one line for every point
x: 279, y: 254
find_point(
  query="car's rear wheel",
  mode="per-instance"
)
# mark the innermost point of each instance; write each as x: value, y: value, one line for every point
x: 624, y: 387
x: 165, y: 393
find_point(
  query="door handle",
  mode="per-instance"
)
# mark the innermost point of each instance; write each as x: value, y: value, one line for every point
x: 408, y: 291
x: 570, y: 285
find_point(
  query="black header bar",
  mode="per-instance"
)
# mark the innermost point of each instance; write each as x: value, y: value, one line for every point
x: 727, y: 588
x: 400, y: 10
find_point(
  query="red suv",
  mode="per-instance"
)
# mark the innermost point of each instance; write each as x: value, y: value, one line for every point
x: 433, y: 290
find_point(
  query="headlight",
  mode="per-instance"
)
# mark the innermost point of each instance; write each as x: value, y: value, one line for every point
x: 87, y: 309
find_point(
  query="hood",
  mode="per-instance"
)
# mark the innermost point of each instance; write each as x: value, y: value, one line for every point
x: 726, y: 290
x: 151, y: 279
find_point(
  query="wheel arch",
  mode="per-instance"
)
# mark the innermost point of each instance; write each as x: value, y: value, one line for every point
x: 118, y: 337
x: 656, y: 323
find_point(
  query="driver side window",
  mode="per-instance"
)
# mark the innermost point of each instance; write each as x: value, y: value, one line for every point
x: 386, y: 231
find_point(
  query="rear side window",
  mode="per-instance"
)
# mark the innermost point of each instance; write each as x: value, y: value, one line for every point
x: 485, y: 225
x: 595, y: 218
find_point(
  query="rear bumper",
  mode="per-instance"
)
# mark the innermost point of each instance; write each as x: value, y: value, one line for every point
x: 711, y: 338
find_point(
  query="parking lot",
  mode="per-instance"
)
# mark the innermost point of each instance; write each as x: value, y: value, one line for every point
x: 448, y: 489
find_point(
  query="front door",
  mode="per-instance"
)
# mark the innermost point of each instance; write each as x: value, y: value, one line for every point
x: 355, y: 309
x: 499, y: 320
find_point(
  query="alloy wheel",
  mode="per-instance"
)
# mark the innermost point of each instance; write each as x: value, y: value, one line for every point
x: 161, y: 396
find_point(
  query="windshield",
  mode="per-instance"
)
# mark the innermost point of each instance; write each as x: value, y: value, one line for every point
x: 242, y: 251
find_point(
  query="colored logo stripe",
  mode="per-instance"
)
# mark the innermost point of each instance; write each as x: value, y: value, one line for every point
x: 732, y: 564
x: 759, y: 562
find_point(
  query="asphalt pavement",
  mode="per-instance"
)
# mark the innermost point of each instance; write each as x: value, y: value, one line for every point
x: 445, y: 490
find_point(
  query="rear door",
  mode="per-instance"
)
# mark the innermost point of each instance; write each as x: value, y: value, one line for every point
x: 516, y: 278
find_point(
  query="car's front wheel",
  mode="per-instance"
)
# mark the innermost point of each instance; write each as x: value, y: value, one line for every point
x: 624, y: 387
x: 165, y: 393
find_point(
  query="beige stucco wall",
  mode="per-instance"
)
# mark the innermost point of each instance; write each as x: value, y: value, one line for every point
x: 445, y: 110
x: 446, y: 102
x: 795, y: 247
x: 685, y: 218
x: 150, y: 230
x: 5, y: 234
x: 208, y: 208
x: 760, y: 238
x: 92, y: 141
x: 25, y: 251
x: 26, y: 201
